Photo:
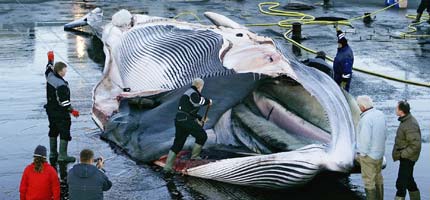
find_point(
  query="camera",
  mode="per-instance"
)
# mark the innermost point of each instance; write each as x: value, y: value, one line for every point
x: 97, y: 159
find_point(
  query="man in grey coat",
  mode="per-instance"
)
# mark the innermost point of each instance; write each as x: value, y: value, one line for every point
x: 86, y: 181
x: 407, y: 148
x: 371, y: 138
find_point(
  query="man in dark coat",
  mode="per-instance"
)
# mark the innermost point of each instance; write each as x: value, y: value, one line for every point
x: 86, y: 181
x: 59, y: 109
x: 319, y: 63
x: 407, y: 149
x: 188, y: 122
x: 425, y: 4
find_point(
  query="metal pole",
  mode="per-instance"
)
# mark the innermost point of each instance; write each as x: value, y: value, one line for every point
x: 297, y: 36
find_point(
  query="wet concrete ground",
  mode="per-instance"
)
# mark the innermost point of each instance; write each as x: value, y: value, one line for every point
x: 28, y: 29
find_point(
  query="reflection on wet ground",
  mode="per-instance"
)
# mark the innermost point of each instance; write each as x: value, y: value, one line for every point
x: 28, y: 31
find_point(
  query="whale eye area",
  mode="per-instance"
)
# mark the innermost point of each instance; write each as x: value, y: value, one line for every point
x: 269, y: 58
x: 239, y: 35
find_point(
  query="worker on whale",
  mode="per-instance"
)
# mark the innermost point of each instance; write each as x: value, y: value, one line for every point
x: 187, y: 122
x: 343, y: 62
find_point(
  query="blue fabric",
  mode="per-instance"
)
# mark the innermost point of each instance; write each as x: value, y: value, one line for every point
x: 86, y: 182
x: 342, y: 65
x: 371, y: 134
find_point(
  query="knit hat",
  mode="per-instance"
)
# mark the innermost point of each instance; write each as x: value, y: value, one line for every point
x: 40, y: 151
x: 321, y: 54
x: 341, y: 38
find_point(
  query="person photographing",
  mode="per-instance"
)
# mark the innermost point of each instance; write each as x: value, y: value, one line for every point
x: 87, y: 181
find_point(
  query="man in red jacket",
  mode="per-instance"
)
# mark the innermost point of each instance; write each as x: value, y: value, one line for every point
x: 39, y: 180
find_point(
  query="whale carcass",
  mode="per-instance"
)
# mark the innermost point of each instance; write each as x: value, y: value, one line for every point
x: 288, y: 122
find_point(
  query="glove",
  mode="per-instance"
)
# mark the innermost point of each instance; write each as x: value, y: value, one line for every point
x: 50, y: 57
x: 206, y: 120
x: 75, y: 113
x: 343, y: 84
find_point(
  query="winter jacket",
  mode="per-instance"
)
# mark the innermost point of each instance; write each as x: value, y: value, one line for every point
x: 371, y: 134
x: 408, y: 139
x: 57, y: 94
x: 342, y: 64
x: 190, y: 103
x: 39, y: 186
x: 87, y: 182
x: 319, y: 64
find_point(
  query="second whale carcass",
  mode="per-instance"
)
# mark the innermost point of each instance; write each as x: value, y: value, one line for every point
x: 291, y: 121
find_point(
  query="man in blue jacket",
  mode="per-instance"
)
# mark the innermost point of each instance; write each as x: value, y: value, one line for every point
x: 86, y: 181
x: 343, y: 62
x: 371, y: 138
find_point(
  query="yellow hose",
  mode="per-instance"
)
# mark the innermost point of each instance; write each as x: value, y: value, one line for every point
x: 310, y: 20
x: 373, y: 13
x: 299, y: 17
x: 412, y: 29
x: 356, y: 68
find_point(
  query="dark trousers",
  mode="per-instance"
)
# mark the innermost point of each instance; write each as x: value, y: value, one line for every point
x: 425, y: 4
x: 405, y: 179
x: 338, y: 79
x: 185, y: 127
x: 59, y: 125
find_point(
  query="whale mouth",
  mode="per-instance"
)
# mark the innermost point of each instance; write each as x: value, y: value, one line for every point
x: 279, y: 115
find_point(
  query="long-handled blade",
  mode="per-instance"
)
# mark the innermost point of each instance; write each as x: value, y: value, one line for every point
x: 206, y: 115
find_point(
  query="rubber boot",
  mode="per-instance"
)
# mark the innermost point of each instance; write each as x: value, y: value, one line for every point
x: 415, y: 195
x: 428, y: 21
x: 417, y: 19
x: 170, y: 161
x: 195, y: 154
x: 53, y: 154
x: 63, y: 157
x: 399, y: 198
x: 370, y: 194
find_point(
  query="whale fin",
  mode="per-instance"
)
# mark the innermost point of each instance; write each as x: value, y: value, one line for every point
x: 221, y: 20
x: 93, y: 16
